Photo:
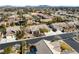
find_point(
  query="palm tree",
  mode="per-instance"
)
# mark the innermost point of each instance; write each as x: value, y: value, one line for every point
x: 23, y: 47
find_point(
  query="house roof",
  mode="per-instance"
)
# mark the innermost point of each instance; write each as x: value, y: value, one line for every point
x: 42, y: 48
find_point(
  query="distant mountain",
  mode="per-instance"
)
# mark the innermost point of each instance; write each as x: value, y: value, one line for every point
x: 7, y: 6
x: 44, y: 6
x: 39, y: 6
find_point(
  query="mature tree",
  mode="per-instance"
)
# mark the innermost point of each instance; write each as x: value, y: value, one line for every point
x: 12, y: 24
x: 57, y: 19
x: 23, y: 47
x: 3, y: 29
x: 20, y: 34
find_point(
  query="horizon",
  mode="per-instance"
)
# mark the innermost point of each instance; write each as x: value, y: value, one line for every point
x: 40, y: 5
x: 23, y: 3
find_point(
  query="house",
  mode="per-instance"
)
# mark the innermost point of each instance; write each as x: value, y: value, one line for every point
x: 10, y: 29
x: 35, y: 29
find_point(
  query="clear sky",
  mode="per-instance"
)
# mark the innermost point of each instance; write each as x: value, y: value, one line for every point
x: 40, y: 2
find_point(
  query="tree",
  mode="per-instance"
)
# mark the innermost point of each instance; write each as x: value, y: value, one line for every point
x: 78, y: 18
x: 23, y: 47
x: 3, y: 29
x: 7, y: 24
x: 20, y: 34
x: 12, y: 24
x: 5, y: 17
x: 57, y: 19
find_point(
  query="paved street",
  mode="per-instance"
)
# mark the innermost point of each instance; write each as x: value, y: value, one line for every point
x: 73, y: 44
x: 70, y: 41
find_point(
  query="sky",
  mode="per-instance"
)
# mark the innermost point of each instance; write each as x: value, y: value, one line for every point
x: 39, y: 2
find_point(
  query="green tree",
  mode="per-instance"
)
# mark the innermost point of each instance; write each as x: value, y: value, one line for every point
x: 57, y: 19
x: 12, y: 24
x: 20, y: 34
x: 3, y: 28
x: 23, y: 47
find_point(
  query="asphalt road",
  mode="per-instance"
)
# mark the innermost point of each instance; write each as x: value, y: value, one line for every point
x: 70, y: 41
x: 73, y: 44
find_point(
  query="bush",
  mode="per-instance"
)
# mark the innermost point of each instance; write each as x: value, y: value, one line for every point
x: 7, y: 50
x: 64, y: 46
x: 43, y: 30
